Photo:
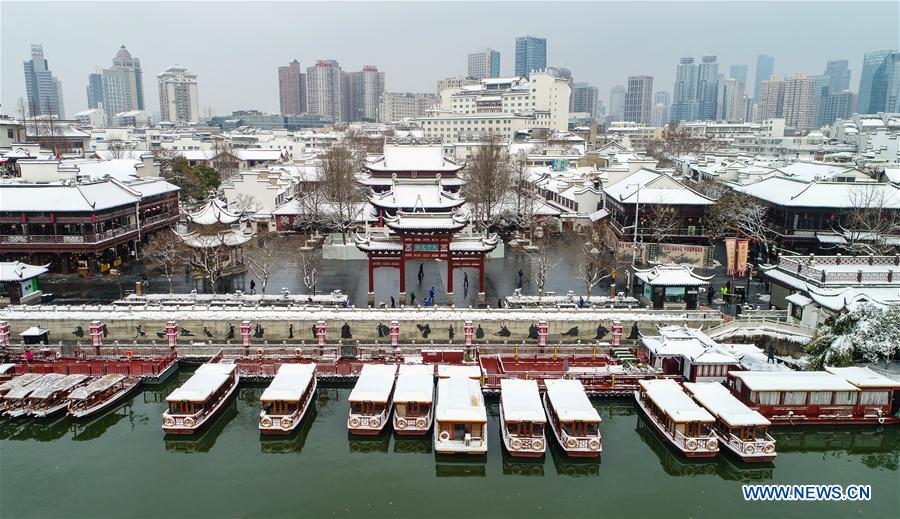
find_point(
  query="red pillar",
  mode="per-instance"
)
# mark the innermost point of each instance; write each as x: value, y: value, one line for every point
x: 371, y: 283
x: 402, y: 281
x: 450, y: 280
x: 481, y: 280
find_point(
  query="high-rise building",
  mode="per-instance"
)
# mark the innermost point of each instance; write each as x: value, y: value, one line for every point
x: 584, y: 99
x: 738, y: 72
x: 178, y: 101
x: 707, y: 88
x: 731, y: 102
x: 639, y: 99
x: 95, y: 90
x: 837, y: 75
x: 871, y: 63
x: 123, y: 89
x: 885, y: 95
x: 396, y: 107
x: 765, y: 65
x: 484, y: 63
x: 684, y: 102
x: 617, y: 103
x: 363, y: 93
x: 660, y: 108
x: 292, y: 89
x: 833, y: 106
x: 44, y: 91
x: 800, y: 101
x: 531, y: 54
x: 770, y: 99
x: 323, y: 90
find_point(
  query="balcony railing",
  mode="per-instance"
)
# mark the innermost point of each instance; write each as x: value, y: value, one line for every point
x: 67, y: 239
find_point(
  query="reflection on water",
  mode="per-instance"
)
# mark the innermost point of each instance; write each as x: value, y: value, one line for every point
x: 459, y: 466
x: 94, y: 427
x: 413, y: 444
x: 293, y: 442
x: 329, y: 401
x: 569, y: 466
x: 852, y: 439
x: 513, y: 466
x: 366, y: 444
x: 206, y: 438
x: 671, y: 460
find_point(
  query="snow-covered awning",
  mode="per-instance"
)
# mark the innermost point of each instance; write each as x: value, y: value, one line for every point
x: 798, y: 300
x: 672, y: 275
x: 18, y: 271
x: 229, y: 238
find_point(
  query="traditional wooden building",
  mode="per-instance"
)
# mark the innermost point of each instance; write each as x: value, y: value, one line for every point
x: 411, y: 158
x: 216, y: 237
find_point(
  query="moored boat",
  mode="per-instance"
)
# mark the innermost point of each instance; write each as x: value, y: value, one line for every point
x: 7, y: 372
x: 19, y: 381
x: 48, y: 401
x: 681, y: 421
x: 460, y: 417
x: 100, y: 394
x: 370, y: 400
x: 458, y: 370
x: 414, y: 399
x: 740, y: 429
x: 15, y: 401
x: 522, y: 417
x: 201, y: 398
x: 285, y: 401
x: 574, y: 421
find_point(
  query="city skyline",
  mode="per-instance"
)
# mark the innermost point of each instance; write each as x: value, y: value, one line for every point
x: 225, y: 91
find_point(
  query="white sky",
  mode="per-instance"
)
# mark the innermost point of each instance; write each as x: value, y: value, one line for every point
x: 236, y: 47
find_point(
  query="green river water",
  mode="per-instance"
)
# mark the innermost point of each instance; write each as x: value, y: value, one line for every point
x: 122, y: 465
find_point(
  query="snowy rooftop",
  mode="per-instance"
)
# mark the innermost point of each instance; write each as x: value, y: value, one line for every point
x: 521, y: 401
x: 101, y: 384
x: 229, y: 238
x: 412, y: 195
x: 214, y: 211
x: 404, y: 220
x: 289, y: 383
x: 21, y: 380
x: 843, y: 195
x: 64, y: 384
x: 793, y: 381
x: 671, y: 399
x: 450, y: 370
x: 570, y: 401
x: 203, y: 383
x: 674, y: 275
x: 415, y: 385
x: 23, y: 390
x: 719, y: 401
x: 18, y: 271
x: 460, y: 400
x: 648, y: 187
x: 375, y: 383
x: 413, y: 157
x: 863, y: 377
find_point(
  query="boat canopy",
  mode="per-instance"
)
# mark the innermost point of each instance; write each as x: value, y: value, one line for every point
x: 451, y: 370
x: 521, y: 401
x: 460, y: 400
x: 793, y: 381
x: 43, y: 382
x: 671, y: 399
x: 415, y: 385
x: 101, y: 384
x: 203, y: 383
x: 569, y: 401
x: 374, y: 384
x: 290, y: 383
x: 20, y: 381
x: 719, y: 401
x: 864, y: 377
x: 63, y: 384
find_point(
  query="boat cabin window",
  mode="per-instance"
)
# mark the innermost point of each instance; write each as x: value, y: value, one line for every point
x: 525, y: 428
x: 765, y: 397
x: 845, y: 398
x: 279, y: 408
x: 411, y: 409
x: 367, y: 408
x: 458, y: 431
x: 820, y: 397
x: 695, y: 429
x: 581, y: 428
x: 873, y: 398
x: 795, y: 398
x: 760, y: 432
x: 183, y: 407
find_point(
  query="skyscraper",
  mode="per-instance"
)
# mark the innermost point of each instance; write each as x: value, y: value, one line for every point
x: 661, y: 108
x: 871, y: 62
x: 837, y: 75
x: 584, y: 99
x: 178, y: 100
x: 323, y: 90
x: 531, y: 54
x: 123, y: 84
x: 484, y: 63
x: 639, y: 99
x: 617, y: 103
x: 800, y: 101
x: 738, y: 72
x: 770, y: 100
x: 44, y: 91
x: 833, y: 106
x: 292, y: 89
x: 363, y: 94
x: 95, y: 90
x: 707, y: 88
x: 684, y: 102
x: 765, y: 65
x: 731, y: 102
x: 885, y: 95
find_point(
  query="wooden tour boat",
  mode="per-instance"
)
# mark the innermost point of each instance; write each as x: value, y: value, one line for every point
x: 574, y: 421
x: 414, y: 399
x: 686, y: 425
x: 202, y: 397
x: 740, y: 429
x: 285, y: 401
x: 48, y: 401
x: 15, y: 401
x: 6, y: 372
x: 100, y: 395
x: 522, y: 417
x: 460, y: 418
x: 853, y: 395
x: 370, y: 400
x: 19, y: 381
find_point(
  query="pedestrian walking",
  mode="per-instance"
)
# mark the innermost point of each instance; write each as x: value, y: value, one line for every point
x: 252, y: 286
x: 393, y: 303
x: 521, y: 275
x: 580, y: 301
x: 29, y: 356
x: 709, y: 296
x: 771, y: 359
x: 412, y: 299
x: 431, y: 294
x: 421, y: 273
x: 465, y: 282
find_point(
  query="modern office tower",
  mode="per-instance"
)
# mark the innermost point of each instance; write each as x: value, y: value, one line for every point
x: 661, y: 108
x: 531, y: 54
x: 323, y: 90
x: 738, y: 72
x: 484, y: 63
x: 292, y: 89
x: 707, y: 89
x: 601, y: 108
x: 800, y: 101
x: 871, y: 62
x: 123, y: 84
x: 770, y: 100
x: 833, y: 106
x: 398, y: 106
x: 617, y: 103
x: 363, y: 93
x: 731, y: 102
x: 44, y: 91
x: 95, y: 90
x: 639, y: 99
x: 837, y: 75
x: 765, y: 65
x: 684, y: 100
x: 584, y: 99
x: 178, y: 101
x: 885, y: 96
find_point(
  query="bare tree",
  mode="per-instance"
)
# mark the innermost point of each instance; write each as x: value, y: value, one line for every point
x: 224, y: 160
x: 678, y: 140
x: 872, y: 220
x: 525, y: 197
x: 543, y: 261
x: 244, y: 204
x: 337, y: 177
x: 166, y: 255
x: 660, y: 222
x: 308, y: 266
x: 596, y: 263
x: 314, y: 205
x: 488, y: 178
x: 738, y: 214
x: 116, y: 148
x: 263, y: 261
x: 165, y: 158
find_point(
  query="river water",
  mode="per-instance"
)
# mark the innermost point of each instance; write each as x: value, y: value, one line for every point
x: 122, y: 465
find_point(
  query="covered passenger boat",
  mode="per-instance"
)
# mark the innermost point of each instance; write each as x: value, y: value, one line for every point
x: 19, y: 381
x: 48, y: 401
x: 460, y: 417
x: 522, y: 418
x: 285, y: 401
x: 414, y: 399
x: 201, y: 398
x: 574, y: 421
x: 680, y: 420
x: 15, y: 401
x: 740, y: 429
x: 370, y: 400
x: 456, y: 370
x: 100, y: 395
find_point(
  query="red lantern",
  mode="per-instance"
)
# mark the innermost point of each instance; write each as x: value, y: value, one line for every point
x: 94, y: 218
x: 52, y: 218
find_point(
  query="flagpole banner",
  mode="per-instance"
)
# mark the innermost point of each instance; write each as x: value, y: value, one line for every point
x: 743, y: 247
x: 730, y: 246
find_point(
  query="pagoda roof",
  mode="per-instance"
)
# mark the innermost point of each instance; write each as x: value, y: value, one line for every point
x: 421, y: 221
x: 415, y: 194
x: 213, y: 211
x: 413, y: 155
x: 229, y: 238
x: 389, y: 243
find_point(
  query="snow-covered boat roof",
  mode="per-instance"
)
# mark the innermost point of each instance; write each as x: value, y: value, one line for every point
x: 203, y: 383
x: 455, y: 370
x: 289, y: 383
x: 4, y: 368
x: 863, y: 377
x: 460, y: 400
x: 229, y: 238
x: 45, y: 381
x: 415, y: 384
x: 521, y: 401
x: 674, y: 275
x: 214, y: 211
x: 793, y: 381
x: 671, y: 399
x: 18, y: 271
x: 569, y: 401
x: 374, y: 384
x: 21, y: 380
x: 101, y: 384
x: 719, y: 401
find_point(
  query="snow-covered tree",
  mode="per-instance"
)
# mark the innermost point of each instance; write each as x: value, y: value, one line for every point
x: 866, y: 332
